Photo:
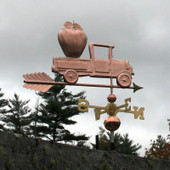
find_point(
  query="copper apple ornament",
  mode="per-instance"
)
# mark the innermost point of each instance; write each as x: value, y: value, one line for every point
x: 72, y: 40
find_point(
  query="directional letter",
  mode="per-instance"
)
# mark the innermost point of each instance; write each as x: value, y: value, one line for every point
x: 83, y: 107
x: 138, y: 112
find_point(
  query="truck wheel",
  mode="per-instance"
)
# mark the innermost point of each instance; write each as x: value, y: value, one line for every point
x: 71, y: 76
x: 124, y: 80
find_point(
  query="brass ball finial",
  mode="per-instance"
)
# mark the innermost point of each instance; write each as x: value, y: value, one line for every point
x: 111, y: 98
x: 112, y: 123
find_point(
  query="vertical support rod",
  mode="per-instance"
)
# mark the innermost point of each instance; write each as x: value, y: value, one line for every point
x: 112, y: 145
x: 97, y: 142
x: 111, y: 83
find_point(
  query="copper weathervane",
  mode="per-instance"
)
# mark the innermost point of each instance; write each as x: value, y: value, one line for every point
x: 73, y: 41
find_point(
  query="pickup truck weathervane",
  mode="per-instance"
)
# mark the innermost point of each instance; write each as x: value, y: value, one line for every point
x: 72, y: 68
x: 73, y: 41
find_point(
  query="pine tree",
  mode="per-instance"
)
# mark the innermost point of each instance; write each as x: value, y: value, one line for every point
x: 17, y: 117
x: 122, y: 143
x: 56, y: 110
x: 3, y: 104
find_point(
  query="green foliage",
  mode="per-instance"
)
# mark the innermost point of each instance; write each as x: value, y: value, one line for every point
x: 160, y: 149
x: 52, y: 163
x: 17, y: 116
x: 59, y: 152
x: 122, y: 143
x: 104, y: 165
x: 9, y: 164
x: 84, y: 157
x: 35, y: 160
x: 56, y: 110
x: 3, y: 104
x: 2, y: 151
x: 82, y: 144
x: 46, y: 149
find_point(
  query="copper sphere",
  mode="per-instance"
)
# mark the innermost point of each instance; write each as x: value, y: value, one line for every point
x: 111, y: 98
x: 112, y: 123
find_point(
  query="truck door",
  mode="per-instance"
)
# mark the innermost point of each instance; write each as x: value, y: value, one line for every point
x: 102, y: 65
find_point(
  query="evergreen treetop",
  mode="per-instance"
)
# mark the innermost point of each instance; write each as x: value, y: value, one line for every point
x: 3, y: 102
x: 122, y: 143
x: 17, y: 116
x: 56, y: 110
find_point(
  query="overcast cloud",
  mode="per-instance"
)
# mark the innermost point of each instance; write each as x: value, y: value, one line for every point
x: 139, y: 30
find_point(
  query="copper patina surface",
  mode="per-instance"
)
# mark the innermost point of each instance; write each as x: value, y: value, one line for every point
x: 73, y: 68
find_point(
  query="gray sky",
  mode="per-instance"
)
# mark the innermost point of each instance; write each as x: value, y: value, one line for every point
x: 139, y: 30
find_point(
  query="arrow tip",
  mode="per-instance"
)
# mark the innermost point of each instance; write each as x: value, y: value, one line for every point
x: 136, y: 87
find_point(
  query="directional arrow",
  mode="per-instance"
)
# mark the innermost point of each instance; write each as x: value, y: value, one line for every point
x: 42, y: 82
x: 136, y: 87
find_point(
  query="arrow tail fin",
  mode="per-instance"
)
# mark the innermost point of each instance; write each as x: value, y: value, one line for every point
x: 37, y: 86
